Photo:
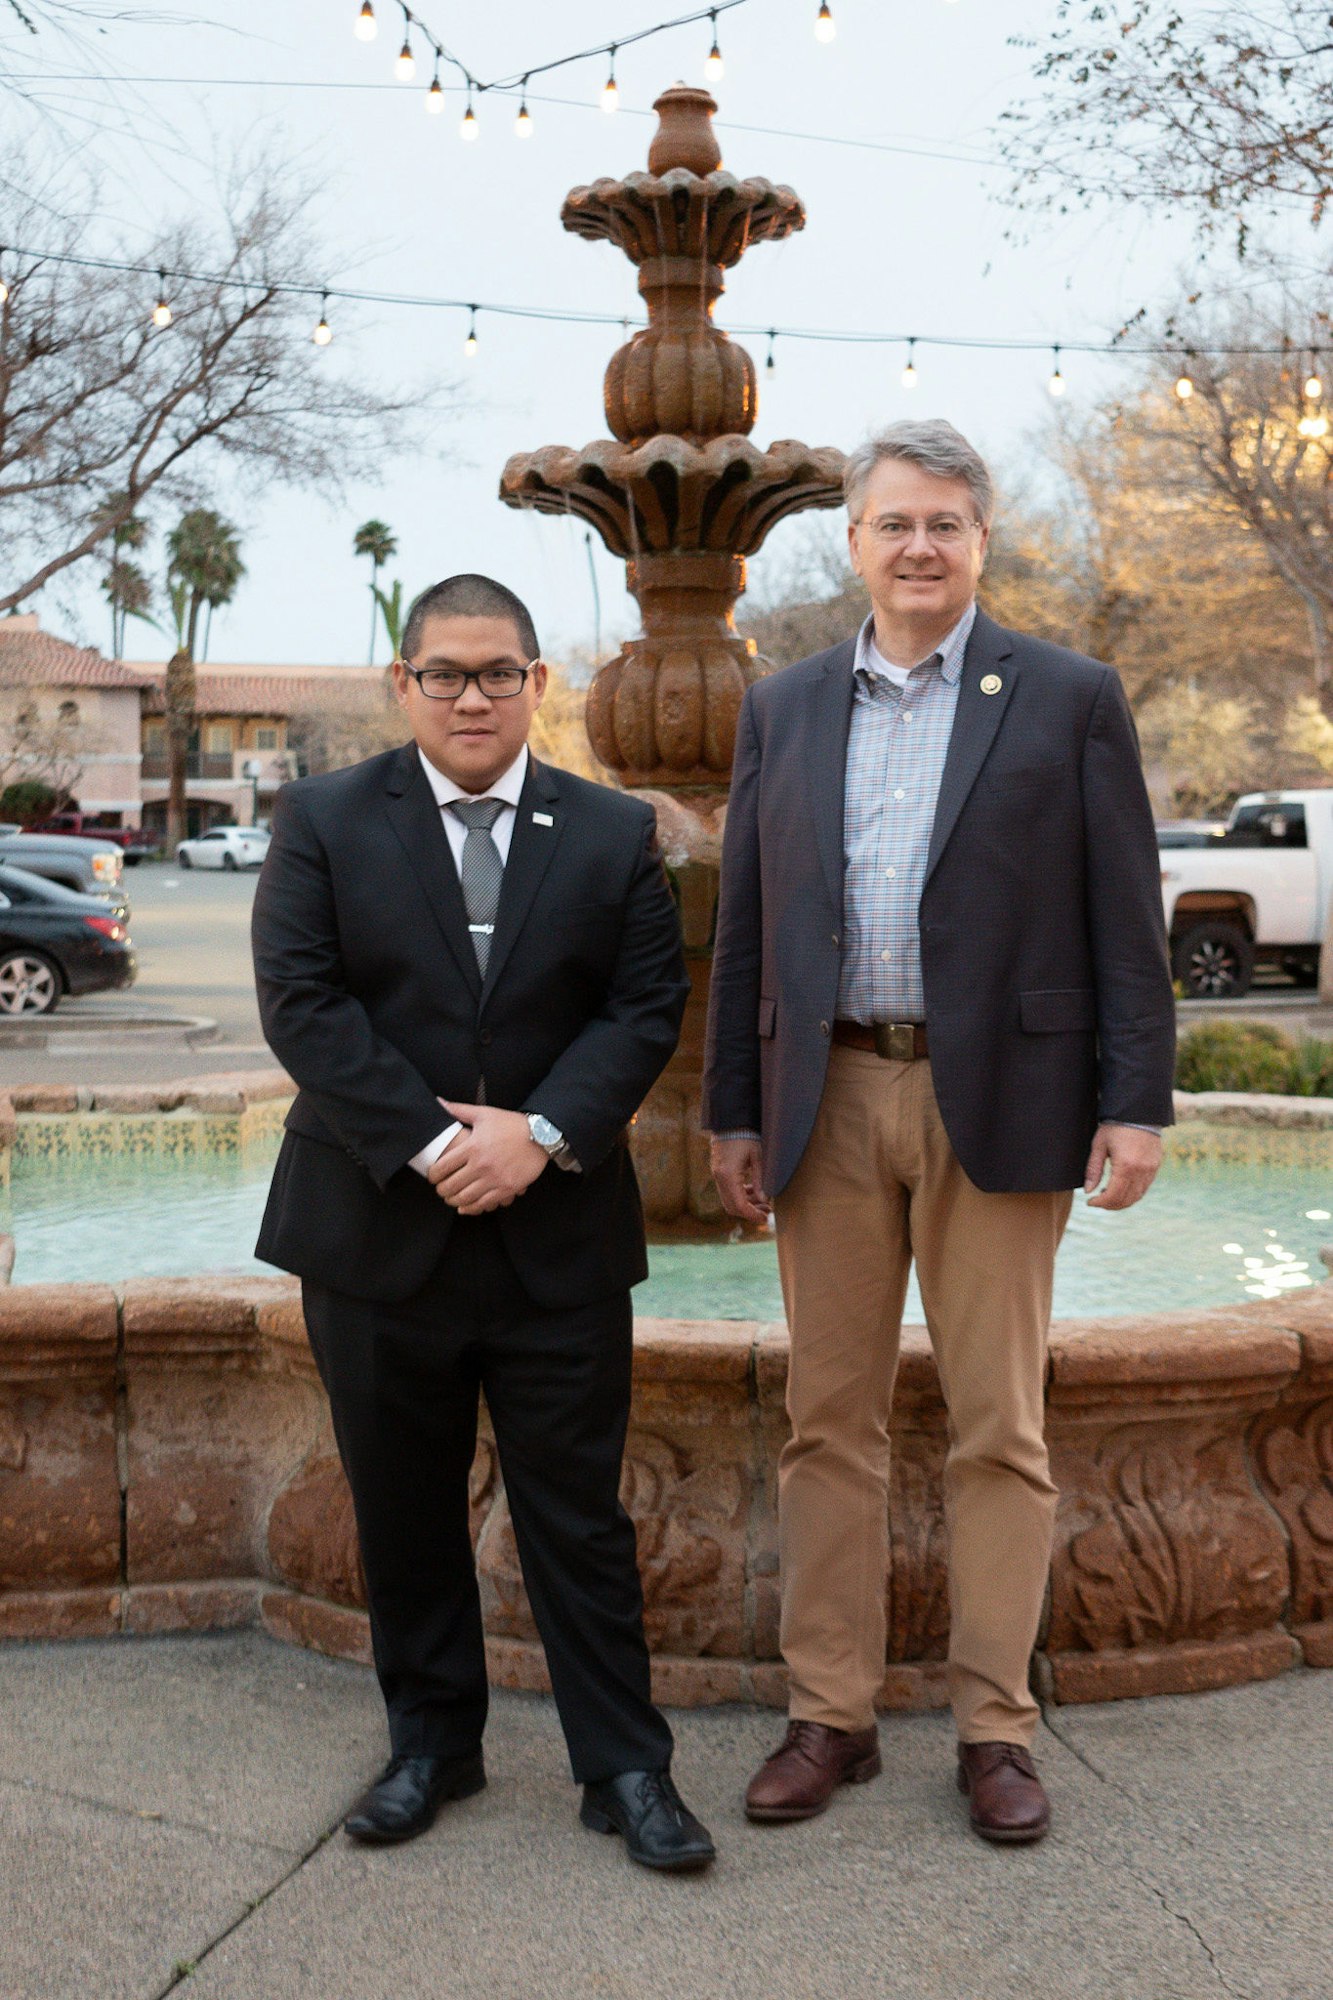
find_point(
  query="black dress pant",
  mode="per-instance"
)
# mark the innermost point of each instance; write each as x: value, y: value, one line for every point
x: 403, y: 1384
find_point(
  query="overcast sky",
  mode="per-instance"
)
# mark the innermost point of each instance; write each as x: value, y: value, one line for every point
x: 888, y: 133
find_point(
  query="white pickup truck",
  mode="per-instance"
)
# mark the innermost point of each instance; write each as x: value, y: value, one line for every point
x: 1255, y: 893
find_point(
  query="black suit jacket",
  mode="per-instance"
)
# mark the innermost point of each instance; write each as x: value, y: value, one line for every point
x: 371, y: 999
x: 1043, y: 947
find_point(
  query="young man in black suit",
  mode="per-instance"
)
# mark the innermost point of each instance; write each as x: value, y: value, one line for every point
x: 470, y: 963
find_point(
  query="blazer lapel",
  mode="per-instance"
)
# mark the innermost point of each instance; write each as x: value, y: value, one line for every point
x: 830, y: 723
x: 976, y: 719
x: 415, y: 818
x: 538, y: 825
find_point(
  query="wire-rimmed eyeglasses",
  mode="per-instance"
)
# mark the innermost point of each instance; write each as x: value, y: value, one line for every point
x: 448, y: 683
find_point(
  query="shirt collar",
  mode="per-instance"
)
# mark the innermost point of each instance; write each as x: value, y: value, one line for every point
x: 506, y: 787
x: 949, y: 651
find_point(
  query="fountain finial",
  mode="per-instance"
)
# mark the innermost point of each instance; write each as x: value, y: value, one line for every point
x: 684, y: 135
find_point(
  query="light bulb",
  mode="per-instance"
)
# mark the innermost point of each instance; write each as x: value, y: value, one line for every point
x: 825, y: 26
x: 1057, y: 384
x: 910, y: 376
x: 1184, y: 388
x: 469, y: 127
x: 1314, y: 387
x: 323, y: 333
x: 435, y: 98
x: 4, y: 293
x: 713, y: 60
x: 523, y: 123
x: 366, y: 27
x: 162, y: 311
x: 406, y: 66
x: 470, y: 345
x: 1314, y: 426
x: 610, y: 94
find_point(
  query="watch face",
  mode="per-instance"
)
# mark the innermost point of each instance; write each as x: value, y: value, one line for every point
x: 543, y: 1131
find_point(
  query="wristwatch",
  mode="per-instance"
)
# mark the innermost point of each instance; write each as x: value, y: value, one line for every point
x: 552, y: 1141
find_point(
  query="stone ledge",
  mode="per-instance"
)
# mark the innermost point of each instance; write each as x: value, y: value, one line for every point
x: 1252, y: 1107
x: 1189, y: 1667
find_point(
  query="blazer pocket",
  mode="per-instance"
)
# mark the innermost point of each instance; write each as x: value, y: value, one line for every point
x: 1062, y: 1010
x: 768, y: 1011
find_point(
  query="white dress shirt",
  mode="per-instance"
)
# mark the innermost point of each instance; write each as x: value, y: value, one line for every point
x: 506, y: 788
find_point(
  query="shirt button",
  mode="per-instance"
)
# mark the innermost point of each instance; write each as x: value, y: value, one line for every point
x: 836, y: 939
x: 907, y: 715
x: 900, y: 793
x: 823, y: 1027
x: 890, y: 873
x: 886, y: 956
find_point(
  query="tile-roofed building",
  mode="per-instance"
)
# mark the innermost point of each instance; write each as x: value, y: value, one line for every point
x: 93, y: 702
x: 241, y: 751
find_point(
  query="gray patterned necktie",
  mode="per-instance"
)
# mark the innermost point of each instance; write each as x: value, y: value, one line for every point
x: 482, y: 871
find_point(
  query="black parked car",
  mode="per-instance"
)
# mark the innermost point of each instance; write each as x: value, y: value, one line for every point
x: 54, y: 942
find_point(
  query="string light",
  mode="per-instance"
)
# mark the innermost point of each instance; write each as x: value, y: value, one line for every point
x: 1314, y: 387
x: 825, y: 25
x: 435, y: 95
x: 4, y: 289
x: 713, y: 60
x: 770, y: 366
x: 1057, y: 384
x: 610, y: 94
x: 523, y: 123
x: 406, y: 66
x: 161, y: 311
x: 469, y: 127
x: 1185, y: 381
x: 366, y: 27
x: 323, y: 333
x: 909, y: 372
x: 470, y: 344
x: 1313, y: 425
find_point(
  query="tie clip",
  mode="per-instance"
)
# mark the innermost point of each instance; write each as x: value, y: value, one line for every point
x: 542, y: 819
x: 487, y: 928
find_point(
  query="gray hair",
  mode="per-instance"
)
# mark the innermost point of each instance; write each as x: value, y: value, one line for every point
x: 933, y: 445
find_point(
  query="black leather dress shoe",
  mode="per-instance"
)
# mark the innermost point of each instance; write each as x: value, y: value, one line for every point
x: 409, y: 1792
x: 658, y: 1828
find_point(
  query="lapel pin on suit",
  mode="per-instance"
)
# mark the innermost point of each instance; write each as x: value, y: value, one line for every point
x: 542, y: 819
x: 991, y: 684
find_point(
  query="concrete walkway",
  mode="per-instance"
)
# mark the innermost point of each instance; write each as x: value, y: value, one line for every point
x: 169, y: 1822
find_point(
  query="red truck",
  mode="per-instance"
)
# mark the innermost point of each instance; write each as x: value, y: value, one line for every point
x: 134, y: 841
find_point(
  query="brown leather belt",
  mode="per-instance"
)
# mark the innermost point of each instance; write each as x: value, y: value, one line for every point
x: 895, y: 1041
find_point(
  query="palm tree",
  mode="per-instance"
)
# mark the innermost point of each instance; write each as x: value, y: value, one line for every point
x: 377, y: 540
x: 125, y: 586
x: 392, y: 610
x: 203, y: 569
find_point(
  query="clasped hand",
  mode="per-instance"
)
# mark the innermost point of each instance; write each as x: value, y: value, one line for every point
x: 489, y: 1164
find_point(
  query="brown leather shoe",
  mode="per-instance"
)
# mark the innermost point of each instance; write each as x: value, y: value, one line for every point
x: 1001, y: 1780
x: 799, y: 1779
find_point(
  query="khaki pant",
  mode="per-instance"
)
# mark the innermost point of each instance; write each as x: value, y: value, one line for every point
x: 878, y: 1186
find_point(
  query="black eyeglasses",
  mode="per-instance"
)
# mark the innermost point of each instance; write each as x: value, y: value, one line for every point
x: 447, y: 683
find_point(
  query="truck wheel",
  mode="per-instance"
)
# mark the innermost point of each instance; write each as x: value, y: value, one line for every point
x: 1214, y: 961
x: 29, y: 983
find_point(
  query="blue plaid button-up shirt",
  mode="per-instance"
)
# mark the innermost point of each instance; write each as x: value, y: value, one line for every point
x: 896, y: 749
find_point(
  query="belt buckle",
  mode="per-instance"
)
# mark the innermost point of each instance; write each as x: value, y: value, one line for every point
x: 895, y: 1041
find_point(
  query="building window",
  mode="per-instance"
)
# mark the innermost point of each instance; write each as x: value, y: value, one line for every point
x: 155, y: 738
x: 266, y: 737
x: 69, y: 713
x: 219, y: 738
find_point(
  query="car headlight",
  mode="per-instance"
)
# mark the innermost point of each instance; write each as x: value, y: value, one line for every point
x: 106, y: 867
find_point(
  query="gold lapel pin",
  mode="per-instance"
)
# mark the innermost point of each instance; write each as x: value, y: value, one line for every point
x: 991, y: 684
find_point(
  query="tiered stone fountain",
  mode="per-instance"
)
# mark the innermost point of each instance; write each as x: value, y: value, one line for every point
x: 683, y: 496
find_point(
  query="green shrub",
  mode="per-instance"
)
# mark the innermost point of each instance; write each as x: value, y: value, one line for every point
x: 29, y: 798
x: 1252, y: 1055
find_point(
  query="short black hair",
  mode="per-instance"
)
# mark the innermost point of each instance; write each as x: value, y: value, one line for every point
x: 470, y: 596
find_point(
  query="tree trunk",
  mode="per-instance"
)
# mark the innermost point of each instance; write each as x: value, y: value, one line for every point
x: 180, y: 700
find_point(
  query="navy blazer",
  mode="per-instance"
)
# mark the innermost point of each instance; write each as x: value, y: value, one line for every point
x: 371, y: 999
x: 1048, y: 992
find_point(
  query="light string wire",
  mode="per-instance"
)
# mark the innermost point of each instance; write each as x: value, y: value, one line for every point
x: 574, y: 316
x: 412, y: 20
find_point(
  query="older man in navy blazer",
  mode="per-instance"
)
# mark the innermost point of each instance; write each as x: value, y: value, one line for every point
x: 940, y: 1001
